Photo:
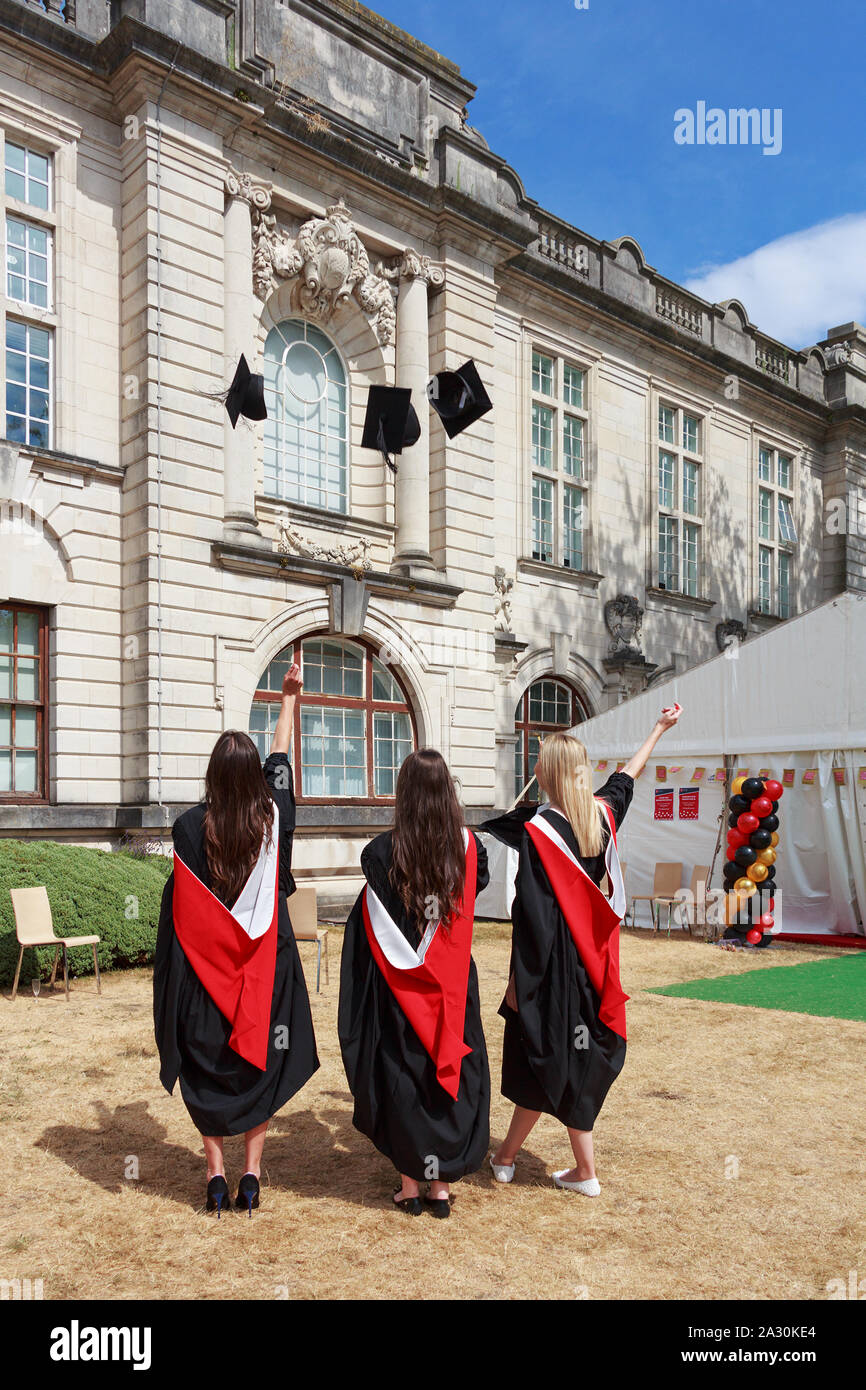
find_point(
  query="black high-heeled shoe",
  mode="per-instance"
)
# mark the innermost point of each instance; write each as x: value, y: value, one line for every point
x: 218, y: 1199
x: 248, y: 1193
x: 440, y: 1207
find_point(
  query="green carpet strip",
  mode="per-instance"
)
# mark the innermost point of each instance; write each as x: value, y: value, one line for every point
x: 828, y: 988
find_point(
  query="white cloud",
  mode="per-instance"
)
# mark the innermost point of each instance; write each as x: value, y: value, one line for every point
x: 797, y: 287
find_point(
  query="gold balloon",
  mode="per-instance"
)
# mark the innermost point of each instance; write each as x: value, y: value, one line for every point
x: 757, y: 872
x: 774, y: 838
x: 737, y: 785
x: 766, y: 856
x: 745, y: 887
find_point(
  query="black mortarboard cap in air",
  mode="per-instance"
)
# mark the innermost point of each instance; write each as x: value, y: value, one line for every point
x: 458, y: 398
x: 391, y: 424
x: 246, y: 395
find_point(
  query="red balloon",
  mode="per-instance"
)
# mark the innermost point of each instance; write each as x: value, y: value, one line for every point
x: 772, y: 904
x: 747, y: 823
x: 773, y: 789
x: 762, y: 806
x: 766, y: 921
x: 731, y: 851
x: 736, y: 838
x: 754, y: 936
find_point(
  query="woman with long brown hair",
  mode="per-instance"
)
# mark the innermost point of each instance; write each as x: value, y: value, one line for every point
x: 564, y: 1006
x: 231, y: 1010
x: 409, y: 1017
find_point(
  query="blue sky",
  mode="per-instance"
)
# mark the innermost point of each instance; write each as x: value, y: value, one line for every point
x: 582, y: 103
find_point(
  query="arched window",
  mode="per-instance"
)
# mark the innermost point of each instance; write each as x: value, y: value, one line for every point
x: 353, y: 723
x: 546, y: 706
x: 306, y: 432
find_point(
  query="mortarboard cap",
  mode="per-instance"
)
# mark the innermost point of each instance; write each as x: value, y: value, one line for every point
x: 458, y: 398
x: 390, y: 424
x: 246, y: 395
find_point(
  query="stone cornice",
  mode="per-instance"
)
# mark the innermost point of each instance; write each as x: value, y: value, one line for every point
x: 433, y: 593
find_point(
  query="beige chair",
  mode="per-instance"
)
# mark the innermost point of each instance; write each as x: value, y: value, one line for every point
x: 667, y: 880
x: 304, y: 914
x: 694, y: 913
x: 34, y: 927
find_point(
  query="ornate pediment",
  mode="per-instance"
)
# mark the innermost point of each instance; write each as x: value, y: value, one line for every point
x: 328, y: 263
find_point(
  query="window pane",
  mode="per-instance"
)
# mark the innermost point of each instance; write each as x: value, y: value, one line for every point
x: 27, y: 683
x: 542, y: 520
x: 384, y: 685
x: 668, y: 553
x: 572, y: 386
x: 333, y: 753
x: 542, y: 436
x: 6, y: 629
x: 691, y: 478
x: 25, y: 772
x: 785, y: 471
x: 392, y: 743
x: 787, y: 531
x: 765, y: 514
x: 691, y: 557
x: 542, y: 374
x: 667, y: 479
x: 5, y: 725
x: 765, y: 465
x: 666, y: 424
x: 691, y: 434
x: 5, y: 677
x: 572, y: 446
x: 28, y: 633
x: 306, y: 434
x: 572, y: 542
x: 5, y: 771
x: 518, y: 764
x: 25, y: 727
x: 784, y: 585
x: 764, y: 579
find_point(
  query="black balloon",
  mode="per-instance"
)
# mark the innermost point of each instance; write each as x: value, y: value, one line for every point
x: 775, y: 807
x: 771, y: 873
x: 770, y: 823
x: 760, y: 839
x: 745, y: 856
x: 739, y: 804
x: 752, y: 787
x: 732, y: 820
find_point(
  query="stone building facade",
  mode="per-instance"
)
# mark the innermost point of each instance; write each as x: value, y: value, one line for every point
x: 300, y: 182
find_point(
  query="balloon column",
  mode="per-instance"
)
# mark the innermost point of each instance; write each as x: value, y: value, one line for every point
x: 750, y: 866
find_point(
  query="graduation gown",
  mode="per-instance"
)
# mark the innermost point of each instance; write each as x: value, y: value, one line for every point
x: 565, y: 1045
x: 425, y: 1110
x: 219, y: 996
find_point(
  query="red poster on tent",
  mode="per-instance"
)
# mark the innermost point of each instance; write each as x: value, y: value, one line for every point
x: 664, y: 804
x: 689, y: 803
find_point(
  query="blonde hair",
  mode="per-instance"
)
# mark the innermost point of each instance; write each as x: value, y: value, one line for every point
x: 565, y: 777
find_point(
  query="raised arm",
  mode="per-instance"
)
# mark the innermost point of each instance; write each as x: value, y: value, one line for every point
x: 666, y: 720
x: 291, y: 690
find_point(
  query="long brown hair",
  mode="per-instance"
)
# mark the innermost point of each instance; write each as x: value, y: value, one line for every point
x: 428, y: 863
x: 239, y: 813
x: 565, y: 776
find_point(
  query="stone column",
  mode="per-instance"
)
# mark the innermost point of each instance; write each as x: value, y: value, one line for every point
x: 239, y: 335
x: 416, y: 275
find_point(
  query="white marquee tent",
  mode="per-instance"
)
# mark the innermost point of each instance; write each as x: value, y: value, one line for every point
x: 792, y: 698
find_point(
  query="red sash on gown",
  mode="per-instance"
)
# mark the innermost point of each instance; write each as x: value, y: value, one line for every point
x: 591, y: 919
x: 430, y: 984
x: 234, y: 951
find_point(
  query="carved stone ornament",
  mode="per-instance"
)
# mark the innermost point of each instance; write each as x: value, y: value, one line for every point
x: 730, y: 632
x: 243, y: 186
x: 330, y: 265
x: 413, y: 266
x: 623, y: 616
x: 502, y: 616
x: 354, y: 555
x: 837, y: 354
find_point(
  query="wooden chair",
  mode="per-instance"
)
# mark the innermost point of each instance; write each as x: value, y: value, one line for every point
x: 304, y: 914
x: 34, y: 927
x: 667, y: 879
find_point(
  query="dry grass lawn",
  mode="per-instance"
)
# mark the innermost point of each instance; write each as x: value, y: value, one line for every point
x: 706, y: 1088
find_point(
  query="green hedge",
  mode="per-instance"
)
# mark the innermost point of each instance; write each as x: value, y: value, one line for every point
x: 90, y: 892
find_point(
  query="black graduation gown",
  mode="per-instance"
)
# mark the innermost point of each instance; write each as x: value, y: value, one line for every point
x: 224, y: 1093
x: 399, y: 1103
x: 541, y: 1067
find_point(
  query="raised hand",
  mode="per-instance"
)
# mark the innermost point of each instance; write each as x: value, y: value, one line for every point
x: 292, y: 681
x: 669, y: 716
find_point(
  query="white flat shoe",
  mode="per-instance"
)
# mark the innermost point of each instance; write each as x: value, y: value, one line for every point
x: 502, y: 1172
x: 590, y: 1187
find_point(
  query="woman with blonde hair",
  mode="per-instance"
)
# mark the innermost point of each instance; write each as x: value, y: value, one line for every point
x: 564, y: 1007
